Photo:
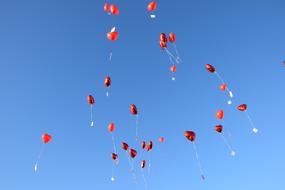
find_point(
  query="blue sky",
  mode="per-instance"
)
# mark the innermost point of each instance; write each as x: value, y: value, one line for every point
x: 54, y: 53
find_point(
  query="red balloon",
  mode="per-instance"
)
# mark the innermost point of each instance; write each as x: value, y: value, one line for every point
x: 114, y: 156
x: 172, y: 37
x: 162, y: 44
x: 107, y: 81
x: 133, y: 109
x: 150, y: 144
x: 219, y: 128
x: 161, y: 139
x: 90, y: 100
x: 223, y: 87
x: 112, y: 36
x: 125, y: 146
x: 210, y: 68
x: 163, y: 37
x: 173, y: 68
x: 133, y: 153
x: 106, y: 7
x: 111, y: 127
x: 46, y: 138
x: 114, y: 9
x: 142, y: 163
x: 143, y: 144
x: 190, y: 135
x: 147, y: 148
x: 151, y: 6
x: 242, y: 107
x: 220, y: 114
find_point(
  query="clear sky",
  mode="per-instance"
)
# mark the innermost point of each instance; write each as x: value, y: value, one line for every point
x: 54, y: 53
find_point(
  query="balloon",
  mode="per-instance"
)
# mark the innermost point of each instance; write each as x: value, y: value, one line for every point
x: 147, y: 148
x: 106, y: 7
x: 143, y: 144
x: 162, y: 44
x: 46, y: 138
x: 219, y: 128
x: 223, y: 87
x: 163, y: 37
x: 107, y: 81
x: 114, y: 156
x: 172, y: 37
x: 125, y: 146
x: 210, y: 68
x: 161, y: 139
x: 112, y: 36
x: 142, y: 163
x: 242, y: 107
x: 190, y: 135
x: 151, y: 6
x: 220, y: 114
x: 90, y: 100
x: 173, y: 68
x: 111, y: 127
x: 133, y: 153
x: 114, y: 9
x: 133, y: 109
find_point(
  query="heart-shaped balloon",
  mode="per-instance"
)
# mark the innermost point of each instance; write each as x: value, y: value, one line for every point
x: 223, y: 87
x: 46, y: 138
x: 220, y: 114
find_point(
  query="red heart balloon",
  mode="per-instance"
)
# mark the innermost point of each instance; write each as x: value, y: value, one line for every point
x: 46, y: 138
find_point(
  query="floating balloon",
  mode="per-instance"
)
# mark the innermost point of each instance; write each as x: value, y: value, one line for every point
x: 151, y: 6
x: 106, y: 7
x: 163, y: 37
x: 133, y: 109
x: 133, y: 153
x: 173, y: 68
x: 114, y: 156
x: 172, y: 37
x: 143, y: 163
x: 219, y: 128
x: 90, y: 100
x: 125, y: 146
x: 161, y: 139
x: 190, y: 135
x: 210, y: 68
x: 163, y: 45
x: 114, y: 9
x: 223, y: 87
x: 111, y: 127
x: 143, y: 144
x: 112, y: 36
x: 150, y: 145
x: 242, y: 107
x: 220, y: 114
x: 107, y: 81
x: 46, y: 138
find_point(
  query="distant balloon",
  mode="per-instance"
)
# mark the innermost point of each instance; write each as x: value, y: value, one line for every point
x: 133, y: 153
x: 114, y: 9
x: 107, y: 81
x: 162, y: 44
x: 150, y: 144
x: 210, y: 68
x: 114, y: 156
x: 173, y: 68
x: 223, y: 87
x: 111, y: 127
x: 112, y: 36
x: 125, y: 146
x: 190, y: 135
x: 151, y: 6
x: 143, y: 163
x: 133, y: 109
x: 219, y: 128
x: 46, y: 138
x: 242, y: 107
x: 161, y: 139
x: 90, y: 100
x: 143, y: 144
x: 106, y: 7
x: 220, y: 114
x: 172, y: 37
x: 163, y: 37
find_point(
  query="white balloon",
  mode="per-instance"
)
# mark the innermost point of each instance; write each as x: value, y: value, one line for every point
x: 233, y: 153
x: 152, y: 16
x: 92, y: 123
x: 255, y: 130
x: 229, y: 102
x: 112, y: 179
x: 113, y: 29
x: 36, y: 167
x: 231, y: 94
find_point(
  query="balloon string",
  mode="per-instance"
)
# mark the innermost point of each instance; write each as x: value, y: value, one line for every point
x: 39, y: 157
x: 170, y: 54
x: 114, y: 143
x: 149, y: 164
x: 137, y: 127
x: 113, y: 172
x: 254, y: 129
x: 198, y: 161
x: 110, y: 57
x: 227, y: 89
x: 144, y: 179
x: 91, y: 116
x: 177, y: 53
x: 233, y: 153
x: 131, y: 166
